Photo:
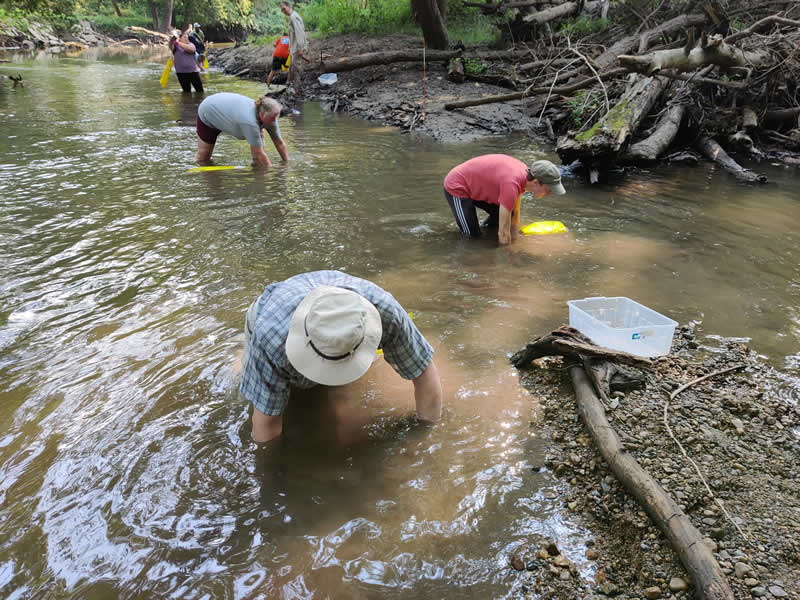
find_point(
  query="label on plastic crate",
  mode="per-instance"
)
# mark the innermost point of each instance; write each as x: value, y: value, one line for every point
x: 640, y: 335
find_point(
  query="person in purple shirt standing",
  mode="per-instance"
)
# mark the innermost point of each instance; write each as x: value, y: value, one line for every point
x: 185, y: 63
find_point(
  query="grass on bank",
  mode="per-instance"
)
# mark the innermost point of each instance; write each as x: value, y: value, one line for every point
x: 324, y: 18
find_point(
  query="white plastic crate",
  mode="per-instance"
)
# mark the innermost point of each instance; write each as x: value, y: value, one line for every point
x: 622, y: 324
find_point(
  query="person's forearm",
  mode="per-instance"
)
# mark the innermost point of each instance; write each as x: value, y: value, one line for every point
x: 260, y: 157
x: 280, y: 146
x: 266, y: 427
x: 186, y: 46
x: 504, y: 226
x: 428, y: 395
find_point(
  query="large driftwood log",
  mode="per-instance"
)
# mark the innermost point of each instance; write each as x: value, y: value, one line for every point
x: 630, y: 43
x: 700, y: 564
x: 713, y: 151
x: 650, y: 148
x: 713, y: 52
x: 704, y: 570
x: 559, y: 11
x: 611, y: 134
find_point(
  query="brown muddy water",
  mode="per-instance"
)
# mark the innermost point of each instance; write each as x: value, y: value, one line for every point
x: 125, y: 467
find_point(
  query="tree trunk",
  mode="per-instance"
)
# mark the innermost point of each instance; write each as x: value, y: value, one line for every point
x: 166, y: 16
x: 116, y: 8
x: 430, y: 17
x: 610, y: 135
x: 153, y: 13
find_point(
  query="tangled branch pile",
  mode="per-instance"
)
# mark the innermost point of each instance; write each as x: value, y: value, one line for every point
x: 643, y: 81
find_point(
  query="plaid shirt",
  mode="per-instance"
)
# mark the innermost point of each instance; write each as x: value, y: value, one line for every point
x: 268, y: 374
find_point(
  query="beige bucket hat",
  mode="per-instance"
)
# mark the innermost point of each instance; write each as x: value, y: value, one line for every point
x: 333, y: 335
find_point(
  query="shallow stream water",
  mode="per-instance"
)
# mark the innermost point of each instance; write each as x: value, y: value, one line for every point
x: 125, y: 467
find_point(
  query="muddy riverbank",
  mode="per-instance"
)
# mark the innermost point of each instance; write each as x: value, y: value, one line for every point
x: 410, y: 96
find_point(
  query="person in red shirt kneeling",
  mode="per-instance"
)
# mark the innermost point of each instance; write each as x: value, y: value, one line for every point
x: 495, y: 184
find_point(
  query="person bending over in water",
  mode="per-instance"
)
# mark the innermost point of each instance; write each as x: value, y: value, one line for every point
x: 243, y: 119
x: 495, y: 184
x: 325, y: 327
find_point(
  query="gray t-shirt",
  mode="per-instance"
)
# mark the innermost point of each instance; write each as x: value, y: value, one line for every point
x: 235, y: 114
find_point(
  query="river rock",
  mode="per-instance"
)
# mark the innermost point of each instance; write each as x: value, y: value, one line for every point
x: 758, y: 592
x: 741, y: 570
x: 676, y: 584
x: 517, y: 562
x: 777, y: 591
x: 561, y: 561
x: 652, y: 593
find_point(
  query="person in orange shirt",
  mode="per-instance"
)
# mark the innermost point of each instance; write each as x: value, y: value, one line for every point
x: 279, y: 56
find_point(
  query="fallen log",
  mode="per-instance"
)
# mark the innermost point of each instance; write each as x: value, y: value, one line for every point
x: 559, y: 11
x: 652, y: 147
x: 700, y: 564
x: 157, y: 34
x: 604, y: 141
x: 628, y: 44
x: 567, y: 89
x: 713, y: 51
x: 784, y: 115
x: 705, y: 572
x: 371, y: 59
x: 714, y: 152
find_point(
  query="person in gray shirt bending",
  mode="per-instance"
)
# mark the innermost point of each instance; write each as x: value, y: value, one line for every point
x: 243, y: 119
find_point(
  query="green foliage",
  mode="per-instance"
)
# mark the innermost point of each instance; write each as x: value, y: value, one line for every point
x: 474, y: 67
x: 583, y: 105
x: 362, y: 16
x: 583, y: 26
x: 269, y: 20
x: 109, y: 23
x: 738, y: 25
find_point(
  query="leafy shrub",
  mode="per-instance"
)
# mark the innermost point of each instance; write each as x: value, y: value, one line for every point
x: 583, y: 105
x: 583, y: 26
x: 360, y: 16
x: 474, y: 67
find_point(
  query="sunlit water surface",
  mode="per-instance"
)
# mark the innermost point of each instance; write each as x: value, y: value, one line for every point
x: 125, y: 467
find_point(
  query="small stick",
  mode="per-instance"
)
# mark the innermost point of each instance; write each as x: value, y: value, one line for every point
x: 694, y: 464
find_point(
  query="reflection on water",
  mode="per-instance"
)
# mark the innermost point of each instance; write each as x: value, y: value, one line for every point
x: 125, y: 467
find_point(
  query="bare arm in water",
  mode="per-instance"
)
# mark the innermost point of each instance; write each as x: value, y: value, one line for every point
x: 428, y: 395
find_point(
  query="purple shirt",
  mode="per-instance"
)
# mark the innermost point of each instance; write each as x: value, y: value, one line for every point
x: 184, y: 60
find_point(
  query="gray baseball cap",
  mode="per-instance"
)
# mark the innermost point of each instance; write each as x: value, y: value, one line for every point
x: 548, y: 174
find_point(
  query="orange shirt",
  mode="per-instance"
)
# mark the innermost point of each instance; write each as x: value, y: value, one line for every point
x: 281, y: 47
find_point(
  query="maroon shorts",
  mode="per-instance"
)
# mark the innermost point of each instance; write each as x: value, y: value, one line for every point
x: 207, y: 133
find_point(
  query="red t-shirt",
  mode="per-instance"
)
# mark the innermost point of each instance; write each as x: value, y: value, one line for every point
x: 492, y: 178
x: 281, y: 47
